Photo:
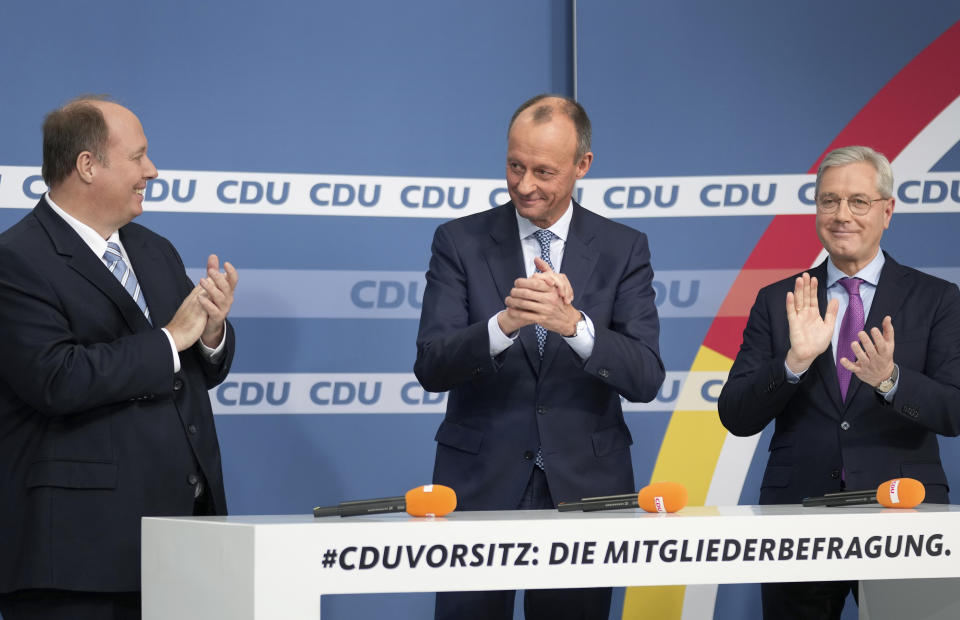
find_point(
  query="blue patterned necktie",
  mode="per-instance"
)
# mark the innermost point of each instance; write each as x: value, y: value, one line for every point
x: 544, y: 237
x: 119, y: 269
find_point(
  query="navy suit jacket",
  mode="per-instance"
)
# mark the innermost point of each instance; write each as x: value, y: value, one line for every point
x: 499, y: 410
x: 817, y: 435
x: 96, y: 430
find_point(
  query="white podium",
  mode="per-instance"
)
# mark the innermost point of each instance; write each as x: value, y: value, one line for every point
x: 268, y: 567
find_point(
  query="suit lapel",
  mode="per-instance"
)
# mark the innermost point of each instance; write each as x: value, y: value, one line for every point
x: 504, y: 258
x: 579, y: 260
x: 891, y: 291
x: 890, y: 294
x: 147, y: 264
x: 825, y: 363
x: 78, y: 256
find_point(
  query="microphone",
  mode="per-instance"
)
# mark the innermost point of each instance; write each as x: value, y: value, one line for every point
x: 624, y: 500
x: 663, y: 497
x: 429, y: 500
x: 656, y: 497
x: 895, y: 493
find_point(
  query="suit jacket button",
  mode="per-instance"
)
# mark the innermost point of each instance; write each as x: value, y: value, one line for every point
x: 193, y: 479
x: 177, y: 385
x: 542, y: 409
x: 845, y: 425
x: 192, y: 429
x: 527, y: 455
x: 603, y: 372
x: 477, y: 371
x: 835, y: 474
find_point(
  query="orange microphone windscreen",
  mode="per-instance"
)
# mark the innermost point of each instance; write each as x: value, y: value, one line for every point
x: 662, y: 497
x: 431, y: 500
x: 901, y: 493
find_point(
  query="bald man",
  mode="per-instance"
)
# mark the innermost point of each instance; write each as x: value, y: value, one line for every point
x: 108, y: 353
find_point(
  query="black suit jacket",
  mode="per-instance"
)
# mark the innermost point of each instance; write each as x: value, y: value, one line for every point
x: 96, y: 430
x: 499, y: 410
x: 816, y: 434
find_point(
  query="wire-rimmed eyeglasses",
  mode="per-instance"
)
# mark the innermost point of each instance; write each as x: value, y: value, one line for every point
x: 858, y: 205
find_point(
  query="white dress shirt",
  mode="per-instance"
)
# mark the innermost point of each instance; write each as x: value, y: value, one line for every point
x: 582, y: 344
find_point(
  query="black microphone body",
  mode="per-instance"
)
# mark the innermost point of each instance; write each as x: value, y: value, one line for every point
x: 363, y: 507
x: 611, y: 504
x: 848, y: 498
x: 587, y: 504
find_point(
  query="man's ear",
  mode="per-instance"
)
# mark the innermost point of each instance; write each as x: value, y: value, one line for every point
x: 583, y: 166
x: 85, y: 165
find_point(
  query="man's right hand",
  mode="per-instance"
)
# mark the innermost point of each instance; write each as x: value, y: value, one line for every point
x: 810, y: 334
x: 187, y: 324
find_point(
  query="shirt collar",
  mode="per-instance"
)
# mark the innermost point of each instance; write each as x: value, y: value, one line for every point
x: 561, y: 228
x: 93, y: 240
x: 869, y: 274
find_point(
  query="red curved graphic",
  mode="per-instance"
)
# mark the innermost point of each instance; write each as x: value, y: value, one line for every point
x: 889, y: 121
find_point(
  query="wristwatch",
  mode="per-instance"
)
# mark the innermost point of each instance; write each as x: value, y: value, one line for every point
x: 887, y: 384
x: 581, y: 327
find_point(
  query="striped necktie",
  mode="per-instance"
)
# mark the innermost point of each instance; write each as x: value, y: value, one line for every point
x: 116, y: 265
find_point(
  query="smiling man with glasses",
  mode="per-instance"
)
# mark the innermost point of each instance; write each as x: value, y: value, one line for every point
x: 857, y: 362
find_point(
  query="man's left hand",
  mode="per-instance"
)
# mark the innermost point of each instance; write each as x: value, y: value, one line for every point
x: 544, y: 298
x: 217, y: 298
x: 554, y: 278
x: 874, y: 354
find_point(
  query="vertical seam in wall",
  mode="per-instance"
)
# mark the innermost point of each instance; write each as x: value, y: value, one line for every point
x: 573, y: 51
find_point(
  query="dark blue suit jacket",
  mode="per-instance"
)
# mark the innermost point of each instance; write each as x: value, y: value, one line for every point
x: 499, y: 410
x: 816, y: 435
x: 96, y: 430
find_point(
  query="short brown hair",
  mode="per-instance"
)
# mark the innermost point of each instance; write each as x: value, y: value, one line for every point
x: 76, y: 127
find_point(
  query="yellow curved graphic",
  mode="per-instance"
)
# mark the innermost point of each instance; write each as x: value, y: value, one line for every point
x: 688, y: 454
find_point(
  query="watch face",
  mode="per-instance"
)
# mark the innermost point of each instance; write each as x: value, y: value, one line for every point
x: 887, y: 384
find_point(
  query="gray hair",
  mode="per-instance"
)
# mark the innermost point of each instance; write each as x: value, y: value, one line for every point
x: 860, y: 154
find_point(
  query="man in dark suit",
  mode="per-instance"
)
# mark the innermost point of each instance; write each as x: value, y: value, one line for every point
x: 851, y: 409
x: 108, y: 353
x: 533, y: 414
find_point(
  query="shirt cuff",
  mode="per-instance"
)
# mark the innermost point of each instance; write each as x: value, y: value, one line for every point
x: 582, y: 344
x: 213, y: 355
x: 793, y: 377
x: 499, y: 342
x: 173, y: 347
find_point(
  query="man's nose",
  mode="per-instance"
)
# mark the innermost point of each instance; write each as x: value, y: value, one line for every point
x: 150, y: 171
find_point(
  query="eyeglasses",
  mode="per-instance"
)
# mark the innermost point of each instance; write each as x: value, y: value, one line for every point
x: 858, y: 205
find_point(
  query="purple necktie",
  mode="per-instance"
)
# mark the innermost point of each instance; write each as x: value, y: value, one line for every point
x: 850, y: 326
